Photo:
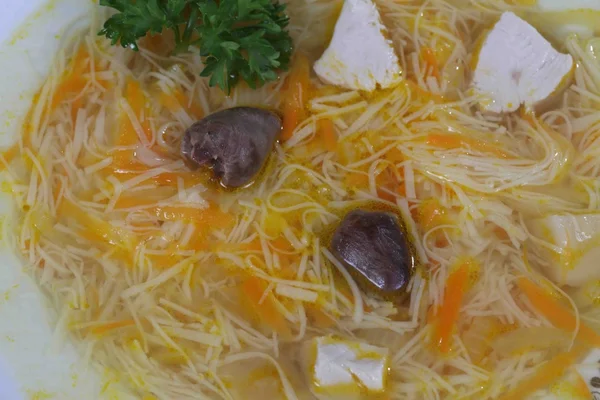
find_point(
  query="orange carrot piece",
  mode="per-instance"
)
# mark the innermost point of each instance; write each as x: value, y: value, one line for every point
x: 254, y: 288
x: 190, y: 106
x: 177, y: 101
x: 169, y: 101
x: 390, y: 179
x: 394, y: 155
x: 452, y: 141
x: 318, y: 317
x: 291, y: 119
x: 209, y: 220
x: 56, y: 193
x: 176, y: 213
x: 170, y: 178
x: 104, y: 328
x: 432, y: 214
x: 555, y: 312
x: 127, y: 135
x: 211, y: 217
x: 356, y: 179
x: 74, y: 82
x: 163, y: 179
x: 326, y: 132
x: 138, y: 102
x: 545, y: 375
x: 447, y: 313
x: 95, y: 229
x: 431, y: 63
x: 581, y: 389
x: 295, y: 96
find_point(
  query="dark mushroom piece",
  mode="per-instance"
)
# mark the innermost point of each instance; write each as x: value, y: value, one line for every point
x: 373, y: 247
x: 235, y: 143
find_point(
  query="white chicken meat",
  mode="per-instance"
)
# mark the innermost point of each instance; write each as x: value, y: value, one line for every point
x: 343, y: 369
x: 360, y: 56
x: 572, y: 247
x: 517, y: 65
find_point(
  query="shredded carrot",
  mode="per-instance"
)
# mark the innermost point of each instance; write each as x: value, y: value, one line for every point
x: 96, y: 229
x: 555, y: 312
x: 189, y: 178
x: 432, y: 214
x: 452, y: 141
x: 288, y: 270
x: 177, y: 101
x: 104, y: 328
x: 291, y: 119
x: 357, y: 179
x: 168, y: 259
x: 134, y: 201
x: 56, y: 193
x: 326, y: 132
x: 394, y: 155
x: 74, y: 82
x: 422, y: 95
x: 176, y: 213
x: 282, y: 244
x: 402, y: 184
x: 190, y: 105
x: 251, y: 246
x: 138, y: 102
x: 145, y: 198
x: 254, y: 289
x: 580, y: 388
x: 447, y: 314
x: 545, y: 375
x: 127, y: 136
x: 163, y: 179
x: 211, y: 217
x: 318, y: 317
x: 431, y: 63
x: 390, y: 179
x: 295, y: 96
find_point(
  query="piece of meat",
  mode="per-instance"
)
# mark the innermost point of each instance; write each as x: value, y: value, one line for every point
x: 235, y: 143
x: 359, y: 56
x: 573, y: 252
x: 517, y: 65
x: 373, y: 246
x: 342, y: 369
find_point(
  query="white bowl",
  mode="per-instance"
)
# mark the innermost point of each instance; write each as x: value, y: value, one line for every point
x: 31, y: 364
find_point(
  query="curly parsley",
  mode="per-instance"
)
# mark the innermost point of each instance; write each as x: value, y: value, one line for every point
x: 237, y: 38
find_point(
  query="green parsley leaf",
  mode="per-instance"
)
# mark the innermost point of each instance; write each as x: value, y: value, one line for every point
x: 237, y: 38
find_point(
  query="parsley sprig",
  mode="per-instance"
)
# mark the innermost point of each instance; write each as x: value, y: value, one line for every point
x: 237, y: 38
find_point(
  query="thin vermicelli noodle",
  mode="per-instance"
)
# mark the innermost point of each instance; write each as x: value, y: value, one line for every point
x: 150, y: 266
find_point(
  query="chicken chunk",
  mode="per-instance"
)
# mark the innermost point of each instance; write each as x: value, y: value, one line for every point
x: 343, y: 369
x: 575, y: 251
x: 517, y: 65
x: 360, y: 56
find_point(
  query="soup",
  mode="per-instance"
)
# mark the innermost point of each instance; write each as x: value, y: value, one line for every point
x: 404, y: 206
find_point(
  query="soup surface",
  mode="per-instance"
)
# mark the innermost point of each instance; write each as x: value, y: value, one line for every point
x: 443, y: 247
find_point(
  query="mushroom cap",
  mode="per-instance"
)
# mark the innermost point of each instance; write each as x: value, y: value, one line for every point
x: 234, y: 142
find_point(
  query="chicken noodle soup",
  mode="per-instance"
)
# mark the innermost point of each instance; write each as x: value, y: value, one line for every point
x: 375, y: 221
